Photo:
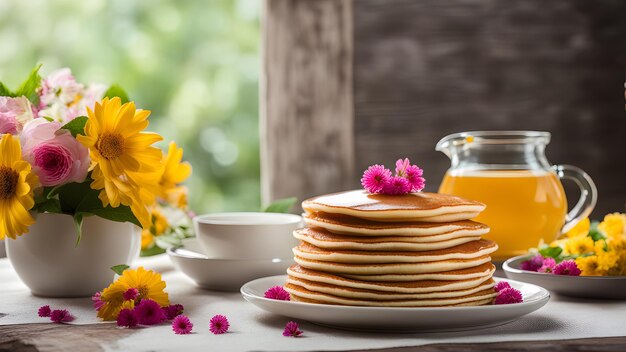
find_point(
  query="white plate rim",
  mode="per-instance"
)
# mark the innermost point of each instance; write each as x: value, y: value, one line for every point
x: 542, y: 300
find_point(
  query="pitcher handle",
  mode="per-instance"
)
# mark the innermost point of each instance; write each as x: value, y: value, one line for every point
x: 588, y: 194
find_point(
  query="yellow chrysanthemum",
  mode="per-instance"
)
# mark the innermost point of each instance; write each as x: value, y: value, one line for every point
x: 158, y: 227
x: 579, y: 245
x: 581, y: 229
x: 588, y: 266
x: 174, y: 172
x: 126, y: 167
x: 613, y: 225
x: 16, y: 189
x: 607, y: 260
x: 147, y: 282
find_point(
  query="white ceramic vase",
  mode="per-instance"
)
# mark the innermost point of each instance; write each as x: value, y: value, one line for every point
x: 48, y: 261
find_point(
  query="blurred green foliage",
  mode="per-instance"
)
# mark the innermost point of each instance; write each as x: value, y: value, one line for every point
x: 193, y: 63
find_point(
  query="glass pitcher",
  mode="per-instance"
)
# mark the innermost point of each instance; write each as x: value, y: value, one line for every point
x: 509, y: 172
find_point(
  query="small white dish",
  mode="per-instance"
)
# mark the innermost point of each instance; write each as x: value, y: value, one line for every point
x: 599, y: 287
x: 247, y: 235
x: 436, y: 319
x: 222, y: 274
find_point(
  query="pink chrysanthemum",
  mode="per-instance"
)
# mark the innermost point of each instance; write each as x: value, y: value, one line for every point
x: 397, y: 185
x: 219, y: 324
x: 182, y: 325
x: 501, y: 286
x: 292, y: 329
x: 414, y: 176
x: 130, y: 294
x: 375, y: 178
x: 173, y: 310
x: 127, y: 318
x: 566, y: 267
x: 547, y: 266
x: 61, y: 316
x: 402, y: 166
x: 532, y: 264
x: 97, y: 301
x: 508, y: 296
x: 149, y: 312
x: 44, y: 311
x: 277, y: 292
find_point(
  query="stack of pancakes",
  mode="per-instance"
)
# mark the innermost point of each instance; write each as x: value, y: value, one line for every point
x: 413, y: 250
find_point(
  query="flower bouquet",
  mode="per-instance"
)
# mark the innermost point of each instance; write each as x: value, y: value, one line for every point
x: 82, y: 151
x: 588, y: 249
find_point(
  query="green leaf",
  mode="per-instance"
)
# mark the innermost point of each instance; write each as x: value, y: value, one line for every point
x: 80, y: 198
x: 154, y: 250
x: 5, y: 92
x: 119, y: 214
x: 78, y: 223
x: 551, y: 252
x: 30, y: 85
x: 281, y: 205
x: 595, y: 233
x: 49, y: 206
x: 119, y: 269
x: 76, y: 126
x: 117, y: 91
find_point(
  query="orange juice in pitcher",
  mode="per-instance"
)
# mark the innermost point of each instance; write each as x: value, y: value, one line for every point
x: 508, y: 171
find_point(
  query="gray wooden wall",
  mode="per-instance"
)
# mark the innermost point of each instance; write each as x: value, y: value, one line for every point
x: 425, y: 68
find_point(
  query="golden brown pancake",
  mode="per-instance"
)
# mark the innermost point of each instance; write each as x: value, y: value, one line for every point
x: 298, y: 293
x: 324, y: 239
x: 347, y: 225
x: 473, y: 249
x: 421, y: 206
x: 368, y: 294
x: 392, y: 268
x: 412, y: 287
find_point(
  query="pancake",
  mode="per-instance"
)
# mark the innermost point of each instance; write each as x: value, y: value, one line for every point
x: 346, y: 225
x: 470, y: 250
x: 299, y: 293
x: 323, y: 239
x: 423, y: 286
x: 366, y: 294
x: 392, y: 268
x: 421, y: 206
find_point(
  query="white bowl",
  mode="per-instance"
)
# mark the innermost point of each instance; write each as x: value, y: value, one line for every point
x: 222, y: 274
x: 598, y: 287
x: 247, y: 235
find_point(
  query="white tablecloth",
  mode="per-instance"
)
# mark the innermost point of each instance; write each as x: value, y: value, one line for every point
x: 253, y: 329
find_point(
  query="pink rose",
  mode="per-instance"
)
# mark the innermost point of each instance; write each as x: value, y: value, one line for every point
x: 57, y: 157
x: 14, y: 113
x: 63, y: 99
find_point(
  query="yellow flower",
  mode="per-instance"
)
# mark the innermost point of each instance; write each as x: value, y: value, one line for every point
x: 16, y: 189
x: 158, y: 227
x: 174, y: 172
x: 607, y: 260
x: 579, y: 245
x: 581, y: 229
x: 126, y: 167
x: 147, y: 282
x: 588, y: 265
x: 613, y: 225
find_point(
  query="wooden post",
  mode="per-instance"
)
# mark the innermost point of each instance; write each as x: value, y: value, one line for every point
x: 307, y: 139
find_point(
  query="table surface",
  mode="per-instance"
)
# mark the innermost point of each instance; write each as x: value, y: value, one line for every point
x: 565, y: 324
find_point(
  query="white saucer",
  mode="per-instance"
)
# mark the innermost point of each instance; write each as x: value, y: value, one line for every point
x: 222, y: 274
x: 397, y: 319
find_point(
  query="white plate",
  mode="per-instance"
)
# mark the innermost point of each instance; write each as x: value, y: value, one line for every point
x: 603, y: 287
x: 397, y: 319
x: 222, y: 274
